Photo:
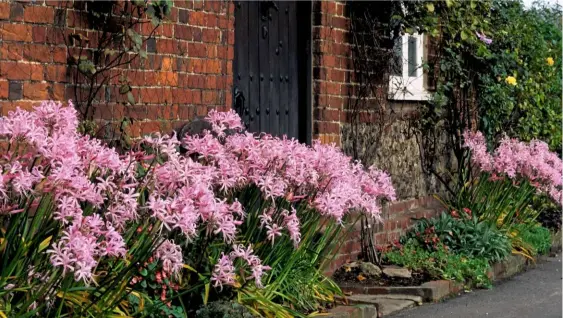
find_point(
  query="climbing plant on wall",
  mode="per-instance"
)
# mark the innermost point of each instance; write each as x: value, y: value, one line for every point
x: 114, y: 35
x: 498, y: 69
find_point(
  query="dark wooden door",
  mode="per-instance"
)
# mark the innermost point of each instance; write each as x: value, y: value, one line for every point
x: 271, y: 69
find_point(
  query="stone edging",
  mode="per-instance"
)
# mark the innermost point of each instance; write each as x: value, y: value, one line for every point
x: 432, y: 291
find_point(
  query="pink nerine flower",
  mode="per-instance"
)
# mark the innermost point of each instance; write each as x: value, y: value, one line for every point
x: 475, y: 141
x: 224, y: 272
x: 291, y: 223
x: 221, y: 121
x: 170, y: 255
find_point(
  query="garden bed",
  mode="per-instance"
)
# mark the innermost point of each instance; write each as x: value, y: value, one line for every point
x: 352, y: 276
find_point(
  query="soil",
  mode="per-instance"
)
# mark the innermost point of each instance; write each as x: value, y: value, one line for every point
x: 341, y: 276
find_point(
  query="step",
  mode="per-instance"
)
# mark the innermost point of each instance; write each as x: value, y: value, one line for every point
x: 387, y: 304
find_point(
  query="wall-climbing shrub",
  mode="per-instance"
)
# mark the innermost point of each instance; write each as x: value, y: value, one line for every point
x: 520, y: 78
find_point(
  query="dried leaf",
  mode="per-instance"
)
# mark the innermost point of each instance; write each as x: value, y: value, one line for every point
x: 361, y: 277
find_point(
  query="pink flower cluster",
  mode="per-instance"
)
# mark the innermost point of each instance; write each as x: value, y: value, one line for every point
x: 516, y: 159
x: 186, y: 193
x: 224, y: 272
x: 48, y: 158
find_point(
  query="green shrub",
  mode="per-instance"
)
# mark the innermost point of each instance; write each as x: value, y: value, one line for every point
x: 465, y: 236
x: 441, y: 264
x: 538, y: 237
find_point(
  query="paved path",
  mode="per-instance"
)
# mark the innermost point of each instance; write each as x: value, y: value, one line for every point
x: 535, y: 293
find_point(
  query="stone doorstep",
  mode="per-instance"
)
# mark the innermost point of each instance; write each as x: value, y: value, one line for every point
x: 387, y: 304
x: 430, y: 291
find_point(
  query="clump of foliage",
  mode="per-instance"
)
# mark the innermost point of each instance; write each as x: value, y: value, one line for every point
x: 538, y: 237
x: 223, y: 309
x: 462, y: 234
x: 526, y: 45
x: 441, y: 263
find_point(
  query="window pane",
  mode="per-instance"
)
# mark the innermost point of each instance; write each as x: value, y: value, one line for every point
x: 412, y: 56
x: 397, y: 63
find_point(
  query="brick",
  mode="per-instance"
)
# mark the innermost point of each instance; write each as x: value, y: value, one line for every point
x: 4, y: 89
x: 56, y: 73
x: 14, y: 90
x: 56, y: 91
x: 36, y: 14
x: 35, y: 91
x: 59, y: 54
x: 166, y: 30
x: 39, y: 34
x: 37, y: 53
x: 11, y: 51
x: 151, y: 45
x: 183, y: 32
x: 21, y: 71
x: 166, y: 64
x: 165, y: 46
x: 212, y: 66
x: 197, y: 17
x: 16, y: 32
x: 4, y: 11
x: 16, y: 12
x: 54, y: 35
x: 168, y: 79
x: 209, y: 97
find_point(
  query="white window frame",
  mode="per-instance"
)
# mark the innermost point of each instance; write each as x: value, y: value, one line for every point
x: 406, y: 87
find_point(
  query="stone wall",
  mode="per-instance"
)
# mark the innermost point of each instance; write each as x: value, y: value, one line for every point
x: 393, y: 148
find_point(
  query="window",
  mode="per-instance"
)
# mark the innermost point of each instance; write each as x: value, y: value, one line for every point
x: 407, y: 77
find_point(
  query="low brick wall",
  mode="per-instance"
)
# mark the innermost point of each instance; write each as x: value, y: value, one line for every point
x: 396, y: 220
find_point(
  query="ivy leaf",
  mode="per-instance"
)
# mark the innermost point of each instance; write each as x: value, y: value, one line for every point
x: 131, y: 100
x: 464, y: 35
x: 134, y: 36
x: 144, y: 283
x: 86, y: 67
x: 449, y: 3
x: 124, y: 89
x: 143, y: 271
x: 430, y: 7
x: 155, y: 21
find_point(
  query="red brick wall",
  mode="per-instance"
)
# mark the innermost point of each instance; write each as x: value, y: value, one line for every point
x: 188, y: 69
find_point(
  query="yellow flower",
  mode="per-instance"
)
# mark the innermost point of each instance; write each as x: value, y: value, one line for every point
x: 510, y: 80
x: 550, y: 61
